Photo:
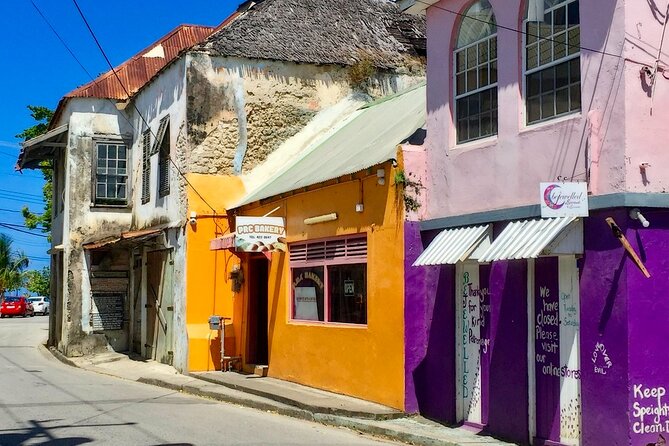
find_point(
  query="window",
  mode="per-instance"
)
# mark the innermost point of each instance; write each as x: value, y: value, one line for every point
x: 329, y: 280
x: 476, y: 74
x: 162, y: 146
x: 111, y: 179
x: 552, y: 62
x: 146, y: 166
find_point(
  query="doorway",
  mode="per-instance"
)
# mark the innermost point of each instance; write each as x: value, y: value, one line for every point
x: 159, y: 306
x: 257, y: 344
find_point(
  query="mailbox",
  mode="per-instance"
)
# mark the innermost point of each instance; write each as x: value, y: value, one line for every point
x: 215, y: 322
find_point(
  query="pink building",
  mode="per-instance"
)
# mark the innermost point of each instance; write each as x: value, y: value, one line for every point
x: 542, y: 330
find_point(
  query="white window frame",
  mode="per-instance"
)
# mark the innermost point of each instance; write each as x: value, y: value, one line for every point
x: 539, y: 68
x: 490, y: 86
x: 104, y: 201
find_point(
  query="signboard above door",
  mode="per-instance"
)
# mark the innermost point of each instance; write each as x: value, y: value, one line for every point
x: 260, y: 234
x: 564, y: 200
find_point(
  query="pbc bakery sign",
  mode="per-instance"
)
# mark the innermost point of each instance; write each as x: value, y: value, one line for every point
x: 260, y: 234
x: 564, y: 200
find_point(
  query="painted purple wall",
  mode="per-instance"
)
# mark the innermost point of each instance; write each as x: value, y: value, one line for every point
x: 508, y: 385
x: 603, y: 287
x: 429, y: 313
x: 648, y: 327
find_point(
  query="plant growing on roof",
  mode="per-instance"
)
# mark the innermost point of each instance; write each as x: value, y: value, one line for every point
x: 409, y: 190
x: 360, y: 73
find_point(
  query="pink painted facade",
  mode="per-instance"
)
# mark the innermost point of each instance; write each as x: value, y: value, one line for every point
x: 612, y: 135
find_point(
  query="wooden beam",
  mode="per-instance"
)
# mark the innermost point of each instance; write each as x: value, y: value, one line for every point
x: 618, y: 233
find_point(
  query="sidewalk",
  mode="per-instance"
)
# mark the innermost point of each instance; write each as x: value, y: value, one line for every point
x: 284, y: 398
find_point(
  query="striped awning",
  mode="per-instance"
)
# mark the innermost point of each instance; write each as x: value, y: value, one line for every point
x: 526, y: 239
x: 453, y: 245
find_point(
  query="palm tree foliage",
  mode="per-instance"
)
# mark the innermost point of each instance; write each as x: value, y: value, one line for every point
x: 12, y: 266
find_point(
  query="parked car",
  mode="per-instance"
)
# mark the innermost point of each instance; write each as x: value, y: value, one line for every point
x: 16, y: 306
x: 41, y: 304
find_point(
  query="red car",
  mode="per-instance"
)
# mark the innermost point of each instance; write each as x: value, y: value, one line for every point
x: 16, y: 306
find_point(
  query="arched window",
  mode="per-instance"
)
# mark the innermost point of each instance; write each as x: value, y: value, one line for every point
x: 476, y: 74
x: 552, y: 59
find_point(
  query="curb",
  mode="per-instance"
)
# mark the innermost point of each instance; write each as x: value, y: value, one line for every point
x: 58, y: 355
x: 333, y: 411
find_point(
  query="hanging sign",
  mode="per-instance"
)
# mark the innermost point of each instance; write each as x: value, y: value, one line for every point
x: 260, y: 234
x: 564, y: 200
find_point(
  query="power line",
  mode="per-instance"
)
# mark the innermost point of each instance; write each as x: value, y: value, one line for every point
x: 97, y: 42
x: 517, y: 31
x: 22, y: 231
x: 10, y: 210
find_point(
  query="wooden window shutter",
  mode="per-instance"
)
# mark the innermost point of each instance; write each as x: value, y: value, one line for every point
x: 146, y: 166
x: 164, y: 159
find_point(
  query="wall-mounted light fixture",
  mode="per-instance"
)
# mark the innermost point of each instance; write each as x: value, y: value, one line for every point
x: 635, y: 214
x: 193, y: 218
x: 320, y: 219
x: 381, y: 177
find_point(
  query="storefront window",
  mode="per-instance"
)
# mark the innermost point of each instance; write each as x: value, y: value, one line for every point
x: 329, y: 280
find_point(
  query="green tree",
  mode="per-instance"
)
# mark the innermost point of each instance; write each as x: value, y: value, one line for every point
x: 12, y: 266
x: 42, y: 115
x: 38, y: 281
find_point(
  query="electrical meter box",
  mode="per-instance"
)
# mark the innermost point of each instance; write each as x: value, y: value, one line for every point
x: 215, y: 322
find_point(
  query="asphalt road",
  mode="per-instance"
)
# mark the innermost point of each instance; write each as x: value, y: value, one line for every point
x: 43, y: 401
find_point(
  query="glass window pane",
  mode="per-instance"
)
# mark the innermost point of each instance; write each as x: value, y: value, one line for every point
x: 460, y: 61
x: 493, y: 47
x: 533, y: 84
x: 562, y: 101
x: 494, y: 123
x: 575, y: 70
x: 562, y: 75
x: 532, y: 58
x: 575, y: 93
x: 547, y: 105
x: 309, y: 294
x: 545, y: 29
x: 100, y: 193
x: 474, y: 104
x: 574, y: 40
x: 559, y: 19
x: 111, y: 152
x: 471, y: 80
x: 486, y: 124
x: 483, y: 76
x: 461, y: 83
x: 474, y: 127
x: 533, y: 109
x: 560, y: 46
x: 462, y: 108
x: 121, y: 191
x: 493, y: 72
x: 486, y: 105
x: 548, y: 80
x: 545, y: 52
x: 573, y: 14
x: 121, y: 152
x: 348, y: 293
x: 479, y: 22
x: 493, y: 98
x: 532, y: 31
x: 483, y: 52
x: 102, y: 151
x: 472, y: 58
x: 463, y: 134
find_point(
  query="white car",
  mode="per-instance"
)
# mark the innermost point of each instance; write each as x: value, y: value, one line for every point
x: 40, y: 304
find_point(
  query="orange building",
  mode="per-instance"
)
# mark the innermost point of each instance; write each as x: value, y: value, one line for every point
x: 329, y: 312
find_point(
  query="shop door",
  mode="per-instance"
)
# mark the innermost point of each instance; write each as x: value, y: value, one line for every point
x: 556, y: 351
x: 472, y: 342
x: 160, y: 306
x: 257, y: 346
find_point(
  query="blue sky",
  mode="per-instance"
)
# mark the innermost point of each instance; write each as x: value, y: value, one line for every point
x: 38, y: 70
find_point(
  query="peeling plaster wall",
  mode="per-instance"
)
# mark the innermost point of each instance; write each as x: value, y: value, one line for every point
x: 89, y: 120
x: 239, y: 106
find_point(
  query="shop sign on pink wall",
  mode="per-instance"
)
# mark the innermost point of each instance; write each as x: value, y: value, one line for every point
x: 564, y: 200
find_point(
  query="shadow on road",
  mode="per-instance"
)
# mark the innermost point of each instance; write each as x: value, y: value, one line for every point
x: 39, y: 431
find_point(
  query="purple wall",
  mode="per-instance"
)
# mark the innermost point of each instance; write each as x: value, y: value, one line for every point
x: 603, y: 286
x: 429, y: 314
x: 648, y: 328
x: 508, y: 384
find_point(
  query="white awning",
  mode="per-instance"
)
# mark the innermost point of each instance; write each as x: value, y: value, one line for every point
x: 526, y: 239
x: 454, y: 245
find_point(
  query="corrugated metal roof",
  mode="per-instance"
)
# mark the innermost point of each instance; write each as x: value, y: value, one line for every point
x: 366, y: 138
x: 140, y: 69
x: 453, y: 245
x: 525, y: 239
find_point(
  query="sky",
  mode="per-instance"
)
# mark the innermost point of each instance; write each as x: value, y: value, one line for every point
x: 37, y: 69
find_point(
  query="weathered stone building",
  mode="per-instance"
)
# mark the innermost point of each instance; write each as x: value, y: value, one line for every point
x: 123, y: 259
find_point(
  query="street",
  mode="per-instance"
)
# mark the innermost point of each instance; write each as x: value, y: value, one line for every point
x: 43, y: 401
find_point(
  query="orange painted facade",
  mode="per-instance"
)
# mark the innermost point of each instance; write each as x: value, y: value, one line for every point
x: 365, y: 361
